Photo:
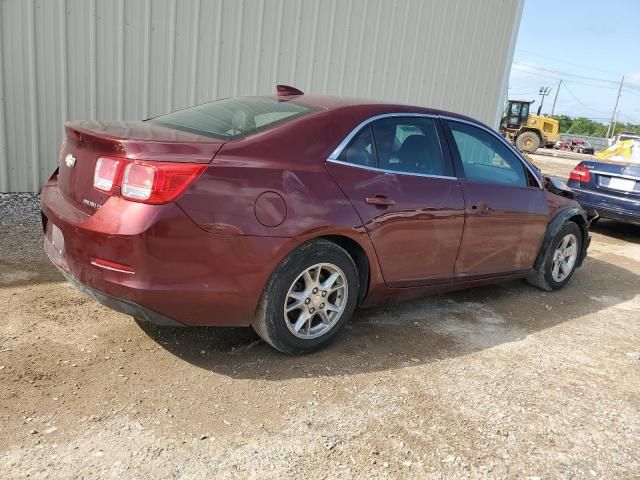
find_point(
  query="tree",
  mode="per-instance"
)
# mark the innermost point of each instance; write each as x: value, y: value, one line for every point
x: 585, y: 126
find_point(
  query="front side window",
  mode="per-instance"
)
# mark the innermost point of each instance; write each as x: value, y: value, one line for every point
x: 233, y: 118
x: 408, y: 144
x: 485, y: 158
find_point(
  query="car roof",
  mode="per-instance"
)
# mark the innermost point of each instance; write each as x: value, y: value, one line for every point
x: 363, y: 105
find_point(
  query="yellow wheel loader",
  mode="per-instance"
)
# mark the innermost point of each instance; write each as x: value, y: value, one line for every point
x: 528, y: 132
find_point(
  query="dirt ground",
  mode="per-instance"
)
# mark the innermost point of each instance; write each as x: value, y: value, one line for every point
x: 500, y: 381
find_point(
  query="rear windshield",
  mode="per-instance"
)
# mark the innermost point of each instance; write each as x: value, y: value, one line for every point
x: 233, y: 118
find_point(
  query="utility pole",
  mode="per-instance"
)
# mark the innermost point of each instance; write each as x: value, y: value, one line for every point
x: 544, y: 91
x: 555, y: 99
x: 613, y: 130
x: 615, y: 108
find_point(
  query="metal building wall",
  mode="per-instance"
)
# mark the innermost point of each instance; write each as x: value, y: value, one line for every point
x: 115, y: 59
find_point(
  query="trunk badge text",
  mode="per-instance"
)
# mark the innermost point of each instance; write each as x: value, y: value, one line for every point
x: 70, y: 160
x: 91, y: 204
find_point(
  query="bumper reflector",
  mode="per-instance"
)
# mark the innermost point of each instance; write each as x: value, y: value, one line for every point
x: 113, y: 266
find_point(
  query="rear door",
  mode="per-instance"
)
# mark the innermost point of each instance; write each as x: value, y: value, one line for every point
x: 506, y: 209
x: 402, y: 185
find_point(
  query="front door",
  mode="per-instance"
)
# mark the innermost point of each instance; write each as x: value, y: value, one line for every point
x: 506, y: 210
x: 402, y: 186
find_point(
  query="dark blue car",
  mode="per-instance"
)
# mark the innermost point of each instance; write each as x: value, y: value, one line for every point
x: 608, y: 189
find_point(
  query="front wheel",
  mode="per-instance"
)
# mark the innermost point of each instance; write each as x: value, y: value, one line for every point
x: 308, y: 299
x: 561, y: 259
x: 528, y: 142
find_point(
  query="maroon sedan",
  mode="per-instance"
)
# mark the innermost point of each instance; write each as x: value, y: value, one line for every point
x: 287, y: 212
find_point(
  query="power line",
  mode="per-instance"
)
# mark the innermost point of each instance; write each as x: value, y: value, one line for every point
x: 543, y: 72
x: 557, y: 78
x: 567, y: 74
x: 565, y: 62
x: 580, y: 102
x: 629, y: 119
x: 632, y: 92
x: 524, y: 93
x: 520, y: 69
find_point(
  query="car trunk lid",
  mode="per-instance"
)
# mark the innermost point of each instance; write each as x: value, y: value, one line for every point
x: 85, y: 142
x: 613, y: 178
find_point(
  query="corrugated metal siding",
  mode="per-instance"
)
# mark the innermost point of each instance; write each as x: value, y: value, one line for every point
x: 115, y: 59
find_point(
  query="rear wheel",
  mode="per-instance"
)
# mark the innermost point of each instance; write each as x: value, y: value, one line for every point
x: 561, y: 259
x: 308, y: 299
x: 528, y: 142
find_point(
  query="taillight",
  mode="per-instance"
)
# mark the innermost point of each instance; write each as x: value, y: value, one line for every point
x: 137, y: 182
x: 580, y: 174
x: 148, y: 181
x: 106, y: 173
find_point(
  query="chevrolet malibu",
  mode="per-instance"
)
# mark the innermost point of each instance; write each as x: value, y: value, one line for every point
x: 287, y: 212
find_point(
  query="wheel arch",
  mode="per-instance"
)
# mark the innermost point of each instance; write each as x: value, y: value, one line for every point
x: 360, y: 258
x: 569, y: 214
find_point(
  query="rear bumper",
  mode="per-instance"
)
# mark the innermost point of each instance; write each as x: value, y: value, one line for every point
x: 608, y: 206
x: 593, y: 211
x: 123, y: 306
x: 182, y: 274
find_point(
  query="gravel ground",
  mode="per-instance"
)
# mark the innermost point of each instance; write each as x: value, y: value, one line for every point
x: 19, y: 209
x: 502, y: 381
x: 557, y: 162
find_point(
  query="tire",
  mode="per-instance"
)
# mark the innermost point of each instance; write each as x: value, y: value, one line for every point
x: 545, y: 278
x: 278, y: 327
x: 528, y: 142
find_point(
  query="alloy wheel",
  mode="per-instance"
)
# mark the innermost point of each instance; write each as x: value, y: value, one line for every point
x: 564, y: 258
x: 316, y: 300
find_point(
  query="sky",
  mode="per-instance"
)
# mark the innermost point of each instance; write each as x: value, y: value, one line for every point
x: 589, y: 45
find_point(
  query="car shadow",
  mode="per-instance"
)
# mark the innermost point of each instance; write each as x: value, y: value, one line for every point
x: 409, y: 333
x: 619, y: 230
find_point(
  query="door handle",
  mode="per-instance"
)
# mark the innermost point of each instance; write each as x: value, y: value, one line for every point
x: 481, y: 208
x: 380, y: 201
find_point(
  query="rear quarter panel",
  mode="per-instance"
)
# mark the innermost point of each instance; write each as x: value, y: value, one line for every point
x: 288, y: 165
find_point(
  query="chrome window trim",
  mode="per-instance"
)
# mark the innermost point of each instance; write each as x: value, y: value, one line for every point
x: 620, y: 175
x: 338, y: 150
x: 394, y: 172
x: 504, y: 142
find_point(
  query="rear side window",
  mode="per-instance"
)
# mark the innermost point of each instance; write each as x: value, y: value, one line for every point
x: 485, y: 158
x: 397, y: 144
x: 233, y: 118
x: 408, y: 144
